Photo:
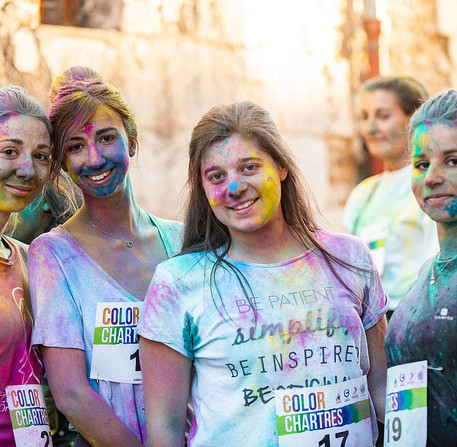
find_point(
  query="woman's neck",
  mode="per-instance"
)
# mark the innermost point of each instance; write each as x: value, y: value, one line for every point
x: 447, y: 236
x: 118, y: 210
x: 266, y: 247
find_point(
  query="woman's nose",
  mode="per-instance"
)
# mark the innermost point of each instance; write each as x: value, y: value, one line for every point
x: 367, y: 127
x: 236, y: 186
x: 434, y: 175
x: 94, y: 156
x: 25, y: 168
x: 371, y: 126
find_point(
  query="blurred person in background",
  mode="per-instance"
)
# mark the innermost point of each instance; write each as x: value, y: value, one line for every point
x: 382, y: 210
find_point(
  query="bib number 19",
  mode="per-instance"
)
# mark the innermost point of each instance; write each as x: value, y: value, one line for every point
x: 395, y: 427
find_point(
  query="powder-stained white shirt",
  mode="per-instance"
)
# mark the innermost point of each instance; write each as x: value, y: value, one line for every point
x: 309, y: 330
x: 65, y: 285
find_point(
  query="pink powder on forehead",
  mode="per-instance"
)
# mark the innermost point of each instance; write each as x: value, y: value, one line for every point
x: 87, y: 128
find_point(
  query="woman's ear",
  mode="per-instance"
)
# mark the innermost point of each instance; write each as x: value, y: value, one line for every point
x: 283, y: 173
x: 132, y: 147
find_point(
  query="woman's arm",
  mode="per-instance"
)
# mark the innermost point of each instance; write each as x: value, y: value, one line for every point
x: 377, y: 375
x: 166, y: 386
x: 84, y: 408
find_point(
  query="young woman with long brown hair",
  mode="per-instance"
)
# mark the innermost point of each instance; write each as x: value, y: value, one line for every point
x: 259, y: 300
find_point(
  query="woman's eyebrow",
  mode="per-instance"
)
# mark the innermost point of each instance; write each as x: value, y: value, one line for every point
x: 12, y: 140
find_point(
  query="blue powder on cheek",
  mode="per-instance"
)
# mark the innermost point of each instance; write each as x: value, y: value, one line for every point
x: 452, y: 208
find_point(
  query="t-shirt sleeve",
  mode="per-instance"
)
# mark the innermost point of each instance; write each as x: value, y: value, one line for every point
x: 164, y: 318
x: 376, y: 301
x: 58, y: 321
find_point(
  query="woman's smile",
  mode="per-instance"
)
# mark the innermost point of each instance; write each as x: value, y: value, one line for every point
x: 244, y: 206
x: 20, y: 190
x: 100, y: 177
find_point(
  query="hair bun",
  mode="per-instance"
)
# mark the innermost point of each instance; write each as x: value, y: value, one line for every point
x: 77, y: 73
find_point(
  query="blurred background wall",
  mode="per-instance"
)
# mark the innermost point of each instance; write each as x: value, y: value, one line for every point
x: 303, y: 60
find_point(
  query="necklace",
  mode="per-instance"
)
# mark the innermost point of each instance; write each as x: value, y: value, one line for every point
x: 128, y: 244
x: 434, y: 271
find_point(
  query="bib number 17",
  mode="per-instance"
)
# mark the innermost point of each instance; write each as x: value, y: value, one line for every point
x: 343, y: 435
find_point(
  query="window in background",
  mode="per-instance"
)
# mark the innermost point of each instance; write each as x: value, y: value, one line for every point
x: 103, y: 14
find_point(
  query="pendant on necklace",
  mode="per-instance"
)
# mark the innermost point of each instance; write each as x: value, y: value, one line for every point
x: 432, y: 281
x: 129, y: 244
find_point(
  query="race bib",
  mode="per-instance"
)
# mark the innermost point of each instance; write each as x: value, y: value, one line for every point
x: 375, y: 237
x: 406, y: 405
x: 29, y: 417
x: 116, y: 355
x: 327, y: 416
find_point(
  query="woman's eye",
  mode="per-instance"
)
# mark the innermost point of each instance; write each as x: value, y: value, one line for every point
x: 250, y: 168
x: 42, y: 157
x: 9, y: 152
x: 422, y: 165
x: 74, y: 147
x: 107, y: 138
x: 217, y: 177
x: 452, y: 161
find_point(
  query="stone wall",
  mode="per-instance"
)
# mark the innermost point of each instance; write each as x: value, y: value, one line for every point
x: 21, y: 55
x: 417, y: 45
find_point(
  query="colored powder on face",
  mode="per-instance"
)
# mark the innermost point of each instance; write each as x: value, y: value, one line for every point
x: 87, y: 129
x: 271, y: 192
x: 233, y: 186
x: 452, y: 208
x: 419, y: 140
x: 216, y: 196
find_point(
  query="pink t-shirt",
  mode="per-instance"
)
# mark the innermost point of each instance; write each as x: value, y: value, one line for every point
x: 20, y: 363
